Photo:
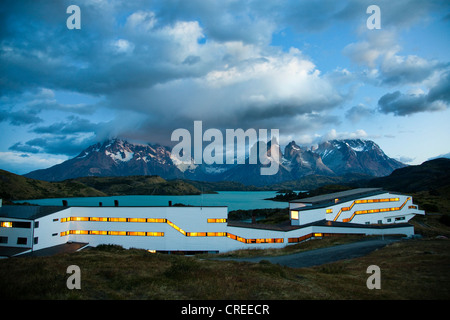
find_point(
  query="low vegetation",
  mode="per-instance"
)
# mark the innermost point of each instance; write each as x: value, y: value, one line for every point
x: 16, y: 187
x: 412, y: 269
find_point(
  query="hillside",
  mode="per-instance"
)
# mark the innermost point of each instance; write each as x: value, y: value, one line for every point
x: 16, y: 187
x: 139, y: 185
x: 415, y: 270
x: 430, y: 175
x: 428, y: 183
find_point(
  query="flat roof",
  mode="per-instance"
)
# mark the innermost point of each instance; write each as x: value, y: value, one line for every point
x: 342, y: 195
x: 28, y: 212
x: 286, y: 226
x: 34, y: 212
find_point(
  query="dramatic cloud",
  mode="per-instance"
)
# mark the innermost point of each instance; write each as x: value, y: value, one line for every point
x: 141, y: 69
x: 20, y: 117
x: 437, y: 99
x: 358, y: 112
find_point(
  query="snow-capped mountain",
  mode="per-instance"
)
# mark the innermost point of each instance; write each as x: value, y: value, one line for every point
x: 356, y: 155
x: 114, y: 158
x: 120, y: 158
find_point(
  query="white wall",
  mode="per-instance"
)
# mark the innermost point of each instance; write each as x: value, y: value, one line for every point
x: 50, y: 227
x: 13, y: 233
x: 189, y: 219
x: 312, y: 215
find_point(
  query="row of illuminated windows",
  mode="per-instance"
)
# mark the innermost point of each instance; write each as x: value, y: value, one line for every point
x: 303, y: 238
x: 363, y: 211
x: 311, y: 235
x: 377, y: 210
x: 294, y: 213
x: 148, y: 220
x: 261, y: 240
x: 161, y: 234
x: 371, y: 211
x: 113, y: 233
x: 377, y: 200
x: 217, y: 220
x: 206, y: 234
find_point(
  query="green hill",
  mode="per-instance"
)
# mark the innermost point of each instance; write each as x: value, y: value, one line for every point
x: 16, y: 187
x: 139, y: 185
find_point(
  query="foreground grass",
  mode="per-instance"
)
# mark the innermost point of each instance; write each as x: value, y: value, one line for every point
x: 412, y: 269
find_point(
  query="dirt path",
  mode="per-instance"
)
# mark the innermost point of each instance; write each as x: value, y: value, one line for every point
x: 324, y: 255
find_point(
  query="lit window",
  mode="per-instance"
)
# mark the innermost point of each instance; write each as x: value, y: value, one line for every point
x: 6, y: 224
x: 217, y: 220
x: 136, y: 233
x: 98, y: 219
x: 137, y: 220
x: 96, y: 232
x: 294, y: 215
x: 329, y: 211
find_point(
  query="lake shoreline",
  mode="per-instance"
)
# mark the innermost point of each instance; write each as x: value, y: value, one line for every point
x: 234, y: 200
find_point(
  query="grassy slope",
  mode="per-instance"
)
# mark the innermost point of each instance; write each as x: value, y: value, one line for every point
x: 139, y: 185
x: 414, y: 269
x: 16, y: 187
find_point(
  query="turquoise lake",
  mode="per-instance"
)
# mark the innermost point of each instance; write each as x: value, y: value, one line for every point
x: 234, y: 200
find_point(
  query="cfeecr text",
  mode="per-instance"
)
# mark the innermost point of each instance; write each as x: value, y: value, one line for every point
x: 234, y: 309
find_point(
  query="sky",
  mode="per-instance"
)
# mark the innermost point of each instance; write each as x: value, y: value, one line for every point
x: 138, y: 70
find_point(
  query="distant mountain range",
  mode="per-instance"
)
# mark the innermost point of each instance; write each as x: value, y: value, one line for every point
x: 117, y: 157
x: 431, y: 176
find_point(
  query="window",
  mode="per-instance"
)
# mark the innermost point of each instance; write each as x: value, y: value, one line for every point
x: 36, y: 240
x: 217, y: 220
x: 294, y: 215
x: 21, y: 224
x: 6, y: 224
x: 399, y: 218
x: 137, y: 220
x: 56, y: 219
x: 54, y: 234
x: 389, y: 220
x: 3, y: 239
x: 329, y: 211
x: 21, y: 240
x: 380, y: 222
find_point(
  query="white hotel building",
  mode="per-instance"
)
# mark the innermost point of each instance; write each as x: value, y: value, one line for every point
x: 38, y: 229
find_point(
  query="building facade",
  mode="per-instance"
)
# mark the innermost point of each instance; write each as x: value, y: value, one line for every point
x: 25, y: 229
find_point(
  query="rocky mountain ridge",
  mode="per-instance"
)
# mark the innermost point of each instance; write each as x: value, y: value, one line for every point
x: 118, y: 157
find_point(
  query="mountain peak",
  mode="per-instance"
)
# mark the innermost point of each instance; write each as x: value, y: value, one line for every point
x: 118, y: 157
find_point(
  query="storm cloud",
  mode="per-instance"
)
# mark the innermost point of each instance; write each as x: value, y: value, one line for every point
x: 142, y: 69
